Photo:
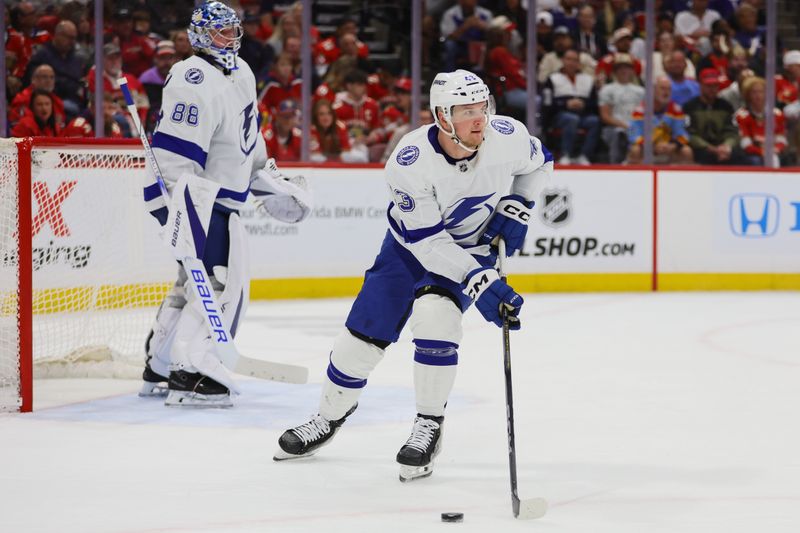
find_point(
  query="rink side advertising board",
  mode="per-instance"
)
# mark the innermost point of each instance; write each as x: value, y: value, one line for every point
x: 728, y: 230
x: 592, y: 231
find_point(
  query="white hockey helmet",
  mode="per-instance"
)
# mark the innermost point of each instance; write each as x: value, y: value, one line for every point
x: 207, y: 23
x: 460, y: 87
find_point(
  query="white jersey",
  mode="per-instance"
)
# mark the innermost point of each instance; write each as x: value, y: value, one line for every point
x: 441, y: 206
x: 209, y: 127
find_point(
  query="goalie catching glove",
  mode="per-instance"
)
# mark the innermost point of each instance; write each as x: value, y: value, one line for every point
x: 283, y: 198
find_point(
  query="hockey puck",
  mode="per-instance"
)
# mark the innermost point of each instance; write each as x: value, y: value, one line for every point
x: 452, y: 517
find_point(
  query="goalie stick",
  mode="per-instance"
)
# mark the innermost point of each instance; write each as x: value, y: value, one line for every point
x: 199, y: 281
x: 533, y: 507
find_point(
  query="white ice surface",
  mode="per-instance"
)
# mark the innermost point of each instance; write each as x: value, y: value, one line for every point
x: 635, y: 413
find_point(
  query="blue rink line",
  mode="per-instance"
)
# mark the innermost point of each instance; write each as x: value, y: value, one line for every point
x: 261, y: 405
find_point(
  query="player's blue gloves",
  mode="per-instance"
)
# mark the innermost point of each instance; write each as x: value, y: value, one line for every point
x: 490, y: 294
x: 510, y: 221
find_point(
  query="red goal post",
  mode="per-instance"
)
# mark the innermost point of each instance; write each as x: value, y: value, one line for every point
x: 81, y: 269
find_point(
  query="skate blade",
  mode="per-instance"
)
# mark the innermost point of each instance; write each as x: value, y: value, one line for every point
x: 410, y: 473
x: 193, y: 399
x: 281, y: 455
x: 153, y: 390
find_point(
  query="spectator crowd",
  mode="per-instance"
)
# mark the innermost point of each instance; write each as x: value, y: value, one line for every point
x: 708, y: 62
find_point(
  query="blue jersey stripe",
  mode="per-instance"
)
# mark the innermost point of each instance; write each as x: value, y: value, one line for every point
x: 181, y: 147
x: 151, y: 192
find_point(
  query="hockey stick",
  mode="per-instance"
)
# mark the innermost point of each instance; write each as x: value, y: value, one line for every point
x: 196, y: 272
x: 534, y: 507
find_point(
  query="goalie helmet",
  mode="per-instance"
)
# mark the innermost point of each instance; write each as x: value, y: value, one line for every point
x: 450, y: 89
x: 206, y: 28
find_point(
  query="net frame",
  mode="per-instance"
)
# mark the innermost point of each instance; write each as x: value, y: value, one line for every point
x: 24, y: 304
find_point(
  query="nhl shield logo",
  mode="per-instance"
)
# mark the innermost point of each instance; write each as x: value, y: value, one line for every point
x: 555, y: 209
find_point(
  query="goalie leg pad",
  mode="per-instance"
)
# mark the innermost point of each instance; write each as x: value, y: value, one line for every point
x: 162, y: 334
x: 436, y: 326
x: 194, y: 350
x: 190, y: 209
x: 351, y: 362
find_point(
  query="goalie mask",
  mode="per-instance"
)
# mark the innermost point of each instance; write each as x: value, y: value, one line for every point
x: 461, y: 87
x: 215, y: 30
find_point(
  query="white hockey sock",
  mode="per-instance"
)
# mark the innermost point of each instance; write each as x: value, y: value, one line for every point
x: 434, y: 375
x: 351, y: 362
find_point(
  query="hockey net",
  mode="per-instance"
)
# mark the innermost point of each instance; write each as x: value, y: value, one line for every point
x: 82, y: 269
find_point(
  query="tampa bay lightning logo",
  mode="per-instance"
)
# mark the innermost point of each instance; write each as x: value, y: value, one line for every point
x: 403, y: 200
x: 247, y: 135
x: 503, y: 126
x: 407, y: 155
x: 194, y: 76
x: 462, y: 210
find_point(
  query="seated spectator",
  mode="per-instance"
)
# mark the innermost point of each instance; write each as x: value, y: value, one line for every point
x: 113, y: 121
x: 670, y: 140
x: 586, y: 37
x: 751, y: 120
x: 462, y: 26
x: 329, y: 138
x: 183, y: 48
x: 41, y: 122
x: 359, y: 112
x: 617, y: 101
x: 333, y: 82
x: 507, y: 73
x: 638, y: 49
x: 749, y: 35
x: 713, y: 135
x: 381, y: 84
x: 693, y: 26
x: 787, y: 85
x: 329, y: 50
x: 683, y: 89
x: 621, y: 41
x: 665, y: 45
x: 281, y: 85
x: 253, y: 50
x: 137, y: 50
x: 23, y: 35
x: 153, y: 79
x: 551, y: 62
x: 60, y: 54
x: 732, y: 93
x: 544, y: 34
x: 570, y: 97
x: 112, y: 71
x: 282, y: 136
x: 721, y: 53
x: 44, y: 78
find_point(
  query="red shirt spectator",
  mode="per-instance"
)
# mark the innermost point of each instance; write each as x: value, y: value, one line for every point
x: 359, y: 112
x: 44, y: 77
x: 282, y: 85
x: 83, y: 126
x: 23, y: 35
x: 329, y: 137
x: 112, y: 71
x: 137, y: 50
x: 751, y: 123
x: 324, y: 92
x: 282, y: 137
x: 786, y: 91
x: 328, y: 51
x: 41, y: 122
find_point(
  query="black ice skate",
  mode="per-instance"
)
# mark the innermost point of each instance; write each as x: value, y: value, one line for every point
x: 417, y: 454
x: 154, y: 383
x: 306, y: 439
x: 196, y: 390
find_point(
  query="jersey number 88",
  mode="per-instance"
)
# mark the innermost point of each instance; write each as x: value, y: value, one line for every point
x: 182, y: 112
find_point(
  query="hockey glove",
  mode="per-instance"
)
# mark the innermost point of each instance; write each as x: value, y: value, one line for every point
x: 287, y: 199
x: 510, y: 222
x: 491, y: 294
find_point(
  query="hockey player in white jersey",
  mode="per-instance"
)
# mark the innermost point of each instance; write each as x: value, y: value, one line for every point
x: 456, y: 187
x: 208, y: 132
